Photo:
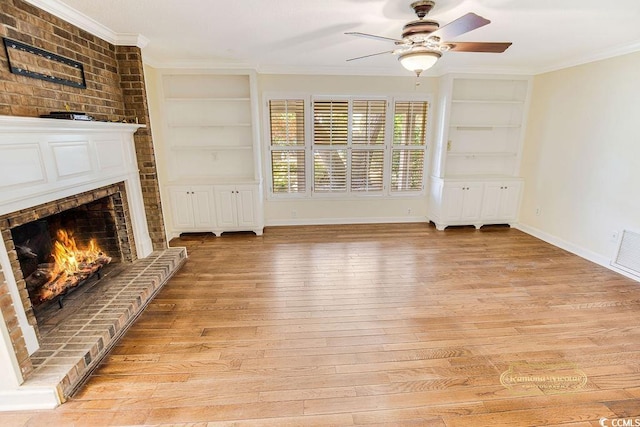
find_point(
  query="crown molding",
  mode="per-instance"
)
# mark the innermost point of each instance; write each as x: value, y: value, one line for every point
x: 598, y: 56
x: 88, y: 24
x: 200, y: 64
x: 137, y: 40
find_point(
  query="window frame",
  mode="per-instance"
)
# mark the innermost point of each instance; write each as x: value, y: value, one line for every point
x: 309, y: 146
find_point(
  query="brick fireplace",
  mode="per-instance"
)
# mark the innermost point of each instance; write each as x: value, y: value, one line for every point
x: 81, y: 175
x: 52, y: 164
x: 100, y: 215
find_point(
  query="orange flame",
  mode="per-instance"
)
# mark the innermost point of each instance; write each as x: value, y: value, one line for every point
x: 72, y: 264
x: 69, y: 258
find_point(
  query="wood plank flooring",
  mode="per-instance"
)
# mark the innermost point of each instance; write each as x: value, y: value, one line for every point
x: 397, y: 325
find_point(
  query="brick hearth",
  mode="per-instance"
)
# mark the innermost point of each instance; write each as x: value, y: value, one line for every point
x: 70, y: 351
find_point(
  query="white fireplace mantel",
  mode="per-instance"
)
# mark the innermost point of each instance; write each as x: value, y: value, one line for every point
x: 42, y: 160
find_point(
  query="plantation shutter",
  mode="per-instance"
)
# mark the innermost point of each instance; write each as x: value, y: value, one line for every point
x: 330, y: 122
x: 368, y: 131
x: 367, y: 170
x: 409, y: 145
x: 369, y: 122
x: 407, y: 168
x: 330, y: 171
x: 288, y: 174
x: 330, y: 138
x: 410, y: 123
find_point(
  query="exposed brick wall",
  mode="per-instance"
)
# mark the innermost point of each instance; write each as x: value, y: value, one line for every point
x: 115, y: 87
x: 136, y: 107
x: 24, y: 96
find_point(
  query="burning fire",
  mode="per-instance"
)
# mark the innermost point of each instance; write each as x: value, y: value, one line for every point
x: 72, y: 265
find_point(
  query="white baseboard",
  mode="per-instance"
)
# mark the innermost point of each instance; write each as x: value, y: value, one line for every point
x: 343, y: 221
x: 28, y: 399
x: 574, y: 249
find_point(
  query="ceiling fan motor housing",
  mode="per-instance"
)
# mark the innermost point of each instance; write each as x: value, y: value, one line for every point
x: 419, y: 30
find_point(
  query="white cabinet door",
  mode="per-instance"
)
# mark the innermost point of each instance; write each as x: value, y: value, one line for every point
x: 245, y: 206
x: 491, y: 200
x: 509, y: 202
x: 238, y: 209
x: 201, y: 199
x: 462, y: 202
x: 472, y: 202
x: 191, y: 208
x: 181, y: 208
x: 226, y: 210
x: 452, y: 201
x: 500, y: 201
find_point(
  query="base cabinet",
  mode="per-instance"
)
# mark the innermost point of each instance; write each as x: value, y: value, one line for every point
x: 500, y: 200
x: 462, y: 202
x: 192, y: 208
x: 477, y: 203
x: 238, y: 209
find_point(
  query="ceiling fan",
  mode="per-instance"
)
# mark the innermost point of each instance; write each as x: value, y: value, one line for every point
x: 422, y: 40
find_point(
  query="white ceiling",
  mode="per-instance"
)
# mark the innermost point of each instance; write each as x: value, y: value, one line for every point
x: 307, y: 36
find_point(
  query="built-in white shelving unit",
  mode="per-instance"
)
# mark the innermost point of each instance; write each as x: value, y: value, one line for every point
x: 211, y: 140
x: 478, y: 150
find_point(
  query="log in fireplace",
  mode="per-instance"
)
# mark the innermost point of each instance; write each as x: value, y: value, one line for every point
x: 59, y: 253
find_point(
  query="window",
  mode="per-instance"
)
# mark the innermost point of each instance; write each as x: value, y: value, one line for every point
x: 356, y: 146
x: 348, y: 145
x: 330, y: 141
x: 407, y: 159
x: 288, y: 172
x: 367, y: 151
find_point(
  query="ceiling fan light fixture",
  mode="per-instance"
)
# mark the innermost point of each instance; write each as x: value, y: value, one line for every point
x: 419, y: 60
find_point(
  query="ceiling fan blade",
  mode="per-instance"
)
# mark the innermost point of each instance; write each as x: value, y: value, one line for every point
x: 371, y: 36
x: 373, y: 54
x: 464, y: 24
x: 488, y: 47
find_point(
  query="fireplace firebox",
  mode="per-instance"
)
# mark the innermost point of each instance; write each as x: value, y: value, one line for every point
x: 63, y: 245
x: 61, y: 252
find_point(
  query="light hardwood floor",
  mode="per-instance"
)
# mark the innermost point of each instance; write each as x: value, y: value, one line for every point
x: 371, y: 325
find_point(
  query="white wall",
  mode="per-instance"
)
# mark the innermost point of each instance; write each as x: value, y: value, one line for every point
x: 581, y: 161
x: 337, y: 210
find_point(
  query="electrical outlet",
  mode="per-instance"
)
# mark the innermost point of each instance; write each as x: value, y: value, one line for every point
x: 409, y: 211
x: 538, y: 211
x: 294, y: 214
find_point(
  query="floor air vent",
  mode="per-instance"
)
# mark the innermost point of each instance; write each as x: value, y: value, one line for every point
x: 628, y: 256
